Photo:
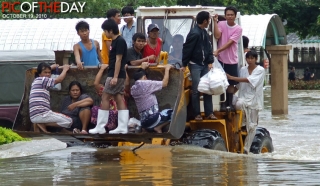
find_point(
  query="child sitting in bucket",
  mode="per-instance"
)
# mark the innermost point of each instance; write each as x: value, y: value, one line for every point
x: 143, y: 92
x: 250, y: 99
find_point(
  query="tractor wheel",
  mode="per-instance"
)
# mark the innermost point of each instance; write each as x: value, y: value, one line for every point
x: 206, y: 138
x: 262, y: 142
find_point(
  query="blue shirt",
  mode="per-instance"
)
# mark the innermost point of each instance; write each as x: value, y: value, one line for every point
x: 127, y: 33
x: 89, y: 57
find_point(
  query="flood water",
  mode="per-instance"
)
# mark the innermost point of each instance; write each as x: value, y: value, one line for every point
x: 295, y: 160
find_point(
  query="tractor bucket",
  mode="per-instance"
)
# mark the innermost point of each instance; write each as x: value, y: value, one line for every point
x: 170, y: 97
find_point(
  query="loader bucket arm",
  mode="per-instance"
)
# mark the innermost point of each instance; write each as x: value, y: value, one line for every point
x: 172, y: 97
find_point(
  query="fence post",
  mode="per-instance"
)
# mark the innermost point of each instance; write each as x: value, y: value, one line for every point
x: 279, y: 78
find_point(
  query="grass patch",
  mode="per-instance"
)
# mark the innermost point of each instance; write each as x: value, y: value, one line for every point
x: 8, y: 136
x: 304, y: 85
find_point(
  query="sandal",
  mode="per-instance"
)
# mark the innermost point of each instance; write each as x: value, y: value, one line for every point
x: 198, y: 118
x: 211, y: 117
x: 76, y: 131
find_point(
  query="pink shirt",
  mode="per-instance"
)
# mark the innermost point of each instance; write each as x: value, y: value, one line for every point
x: 229, y: 55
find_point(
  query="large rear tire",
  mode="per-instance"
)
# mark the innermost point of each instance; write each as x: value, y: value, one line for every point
x: 206, y: 138
x: 262, y: 142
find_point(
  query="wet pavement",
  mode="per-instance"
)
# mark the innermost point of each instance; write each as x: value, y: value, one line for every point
x: 295, y: 160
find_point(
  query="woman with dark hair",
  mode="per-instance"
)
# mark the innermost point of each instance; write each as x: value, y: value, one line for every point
x: 40, y: 112
x: 77, y: 106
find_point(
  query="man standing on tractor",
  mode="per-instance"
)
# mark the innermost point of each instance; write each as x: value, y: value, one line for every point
x: 228, y: 34
x: 129, y: 29
x: 250, y: 99
x: 115, y: 82
x: 154, y: 44
x: 106, y: 42
x: 86, y: 51
x: 197, y: 55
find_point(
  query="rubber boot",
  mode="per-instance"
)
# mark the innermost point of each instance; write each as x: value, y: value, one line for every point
x: 102, y: 120
x: 223, y: 107
x: 229, y: 102
x: 123, y: 119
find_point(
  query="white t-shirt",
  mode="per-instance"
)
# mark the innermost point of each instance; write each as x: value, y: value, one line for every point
x: 252, y: 92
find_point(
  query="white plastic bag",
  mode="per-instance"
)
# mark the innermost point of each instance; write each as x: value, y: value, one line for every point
x: 204, y: 84
x: 133, y: 122
x: 54, y: 76
x: 218, y: 79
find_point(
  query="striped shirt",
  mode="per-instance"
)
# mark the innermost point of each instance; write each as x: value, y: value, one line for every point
x: 39, y: 100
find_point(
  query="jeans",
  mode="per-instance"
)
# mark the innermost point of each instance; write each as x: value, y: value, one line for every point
x: 197, y: 71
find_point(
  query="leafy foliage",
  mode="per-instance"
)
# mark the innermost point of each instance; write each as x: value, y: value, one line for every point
x: 304, y: 85
x: 8, y: 136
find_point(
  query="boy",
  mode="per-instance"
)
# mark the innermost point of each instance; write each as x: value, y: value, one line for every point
x: 39, y: 101
x: 250, y: 99
x: 134, y: 56
x: 129, y: 29
x: 197, y: 55
x: 154, y: 44
x: 292, y: 74
x: 87, y: 51
x: 228, y: 34
x: 114, y: 85
x: 106, y: 42
x: 143, y: 93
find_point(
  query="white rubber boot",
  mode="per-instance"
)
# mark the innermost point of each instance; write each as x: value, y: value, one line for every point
x: 123, y: 119
x: 103, y: 117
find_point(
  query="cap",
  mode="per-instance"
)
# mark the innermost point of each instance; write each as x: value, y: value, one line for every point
x: 153, y: 26
x: 139, y: 74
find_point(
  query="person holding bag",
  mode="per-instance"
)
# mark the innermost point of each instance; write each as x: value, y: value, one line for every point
x: 197, y: 55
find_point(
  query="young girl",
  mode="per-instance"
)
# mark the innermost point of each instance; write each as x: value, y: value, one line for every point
x: 39, y: 101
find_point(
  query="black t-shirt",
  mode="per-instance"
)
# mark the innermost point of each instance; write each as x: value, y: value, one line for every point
x: 118, y: 47
x: 307, y: 76
x: 292, y: 76
x: 133, y: 55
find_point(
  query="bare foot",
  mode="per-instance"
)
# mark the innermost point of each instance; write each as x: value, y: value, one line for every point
x: 36, y: 128
x: 158, y: 129
x: 43, y: 128
x: 83, y: 132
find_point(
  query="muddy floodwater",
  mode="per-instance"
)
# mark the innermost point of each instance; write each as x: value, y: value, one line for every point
x: 295, y: 160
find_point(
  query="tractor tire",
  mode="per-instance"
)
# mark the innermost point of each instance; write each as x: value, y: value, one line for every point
x: 262, y: 142
x: 206, y: 138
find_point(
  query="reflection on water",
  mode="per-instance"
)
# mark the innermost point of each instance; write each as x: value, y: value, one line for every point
x: 295, y: 139
x: 153, y: 165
